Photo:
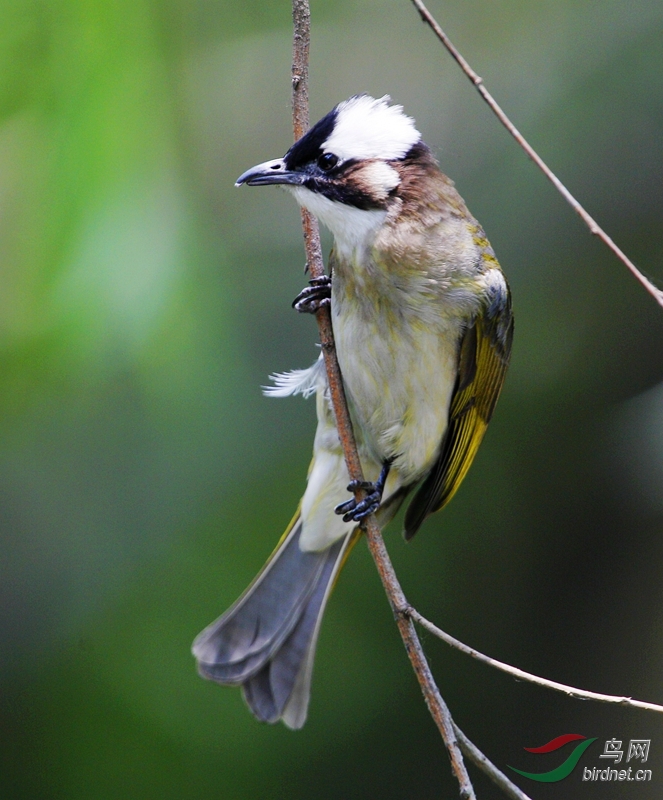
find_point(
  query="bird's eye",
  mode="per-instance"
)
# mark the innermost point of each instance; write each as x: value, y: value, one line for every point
x: 327, y: 161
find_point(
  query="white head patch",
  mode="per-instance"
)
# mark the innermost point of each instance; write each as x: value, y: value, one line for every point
x: 370, y: 128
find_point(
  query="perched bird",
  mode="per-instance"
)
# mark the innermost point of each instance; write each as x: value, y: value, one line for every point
x: 422, y: 320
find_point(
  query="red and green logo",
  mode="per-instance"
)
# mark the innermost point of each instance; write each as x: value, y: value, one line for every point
x: 566, y: 767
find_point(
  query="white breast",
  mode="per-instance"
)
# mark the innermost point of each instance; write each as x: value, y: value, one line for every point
x: 399, y: 373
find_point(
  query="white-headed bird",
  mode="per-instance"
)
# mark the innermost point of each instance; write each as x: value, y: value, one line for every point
x: 422, y: 321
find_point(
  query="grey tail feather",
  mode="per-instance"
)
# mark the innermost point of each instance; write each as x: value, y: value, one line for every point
x: 266, y: 641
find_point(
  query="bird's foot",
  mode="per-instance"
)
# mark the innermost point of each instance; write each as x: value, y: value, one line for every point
x: 314, y: 296
x: 354, y: 510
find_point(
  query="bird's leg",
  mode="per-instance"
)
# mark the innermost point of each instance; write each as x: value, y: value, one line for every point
x: 316, y: 295
x: 354, y: 511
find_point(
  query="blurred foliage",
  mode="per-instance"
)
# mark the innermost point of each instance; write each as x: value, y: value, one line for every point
x: 144, y: 479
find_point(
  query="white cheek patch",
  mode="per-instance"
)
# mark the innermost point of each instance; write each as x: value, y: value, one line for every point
x: 370, y: 128
x: 380, y: 179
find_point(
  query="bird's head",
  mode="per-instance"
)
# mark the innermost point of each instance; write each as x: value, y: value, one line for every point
x: 345, y: 169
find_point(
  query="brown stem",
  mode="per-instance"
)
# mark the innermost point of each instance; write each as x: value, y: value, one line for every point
x: 591, y: 223
x: 437, y: 706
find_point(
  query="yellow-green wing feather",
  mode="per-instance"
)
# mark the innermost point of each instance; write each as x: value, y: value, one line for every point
x: 483, y: 360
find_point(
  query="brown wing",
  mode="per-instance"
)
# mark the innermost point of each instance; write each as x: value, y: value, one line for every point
x: 484, y: 355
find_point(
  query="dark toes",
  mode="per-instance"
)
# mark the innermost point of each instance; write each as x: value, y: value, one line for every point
x: 354, y: 512
x: 343, y: 508
x: 366, y: 485
x: 314, y: 296
x: 309, y: 305
x: 357, y: 515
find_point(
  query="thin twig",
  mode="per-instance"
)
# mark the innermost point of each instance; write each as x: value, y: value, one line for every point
x: 479, y: 759
x: 520, y: 674
x: 591, y: 223
x: 436, y: 705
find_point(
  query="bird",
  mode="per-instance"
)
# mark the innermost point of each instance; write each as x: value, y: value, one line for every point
x: 423, y: 326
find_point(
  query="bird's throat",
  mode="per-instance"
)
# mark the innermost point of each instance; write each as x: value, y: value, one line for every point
x: 354, y: 229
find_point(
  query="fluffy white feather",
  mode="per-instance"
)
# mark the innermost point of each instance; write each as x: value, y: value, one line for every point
x: 370, y: 128
x: 296, y: 381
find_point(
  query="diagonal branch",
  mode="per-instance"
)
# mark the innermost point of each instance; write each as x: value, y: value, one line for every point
x: 591, y: 223
x: 479, y: 759
x: 437, y: 706
x: 520, y: 674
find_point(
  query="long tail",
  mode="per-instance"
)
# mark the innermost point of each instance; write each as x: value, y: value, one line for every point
x: 266, y: 641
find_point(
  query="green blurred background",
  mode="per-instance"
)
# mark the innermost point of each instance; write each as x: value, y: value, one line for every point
x: 144, y: 478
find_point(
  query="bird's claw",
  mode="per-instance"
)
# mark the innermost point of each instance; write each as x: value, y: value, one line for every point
x: 316, y: 295
x: 354, y: 511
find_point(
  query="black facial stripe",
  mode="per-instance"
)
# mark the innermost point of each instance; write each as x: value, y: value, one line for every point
x: 345, y: 193
x: 309, y: 147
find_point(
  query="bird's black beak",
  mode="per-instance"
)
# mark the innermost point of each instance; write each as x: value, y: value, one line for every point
x: 270, y: 172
